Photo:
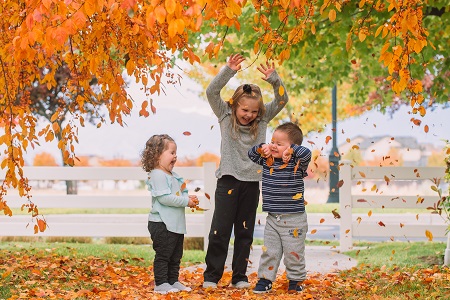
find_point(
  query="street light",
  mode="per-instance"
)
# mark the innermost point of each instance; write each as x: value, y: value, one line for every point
x: 334, y: 157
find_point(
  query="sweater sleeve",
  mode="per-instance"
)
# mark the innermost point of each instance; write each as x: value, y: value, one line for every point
x: 255, y: 156
x: 302, y: 157
x: 218, y: 105
x: 280, y: 96
x: 161, y: 190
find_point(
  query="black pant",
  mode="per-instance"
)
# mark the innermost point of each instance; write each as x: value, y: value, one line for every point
x: 168, y: 248
x: 235, y: 205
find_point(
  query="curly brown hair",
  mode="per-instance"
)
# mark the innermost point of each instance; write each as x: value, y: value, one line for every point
x: 154, y: 147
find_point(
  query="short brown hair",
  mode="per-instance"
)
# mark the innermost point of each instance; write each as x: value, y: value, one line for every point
x: 293, y: 131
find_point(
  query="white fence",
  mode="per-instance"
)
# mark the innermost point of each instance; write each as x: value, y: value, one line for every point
x: 132, y: 225
x: 372, y: 181
x: 102, y: 225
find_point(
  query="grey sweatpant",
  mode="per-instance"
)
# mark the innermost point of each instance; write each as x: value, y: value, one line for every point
x: 284, y: 235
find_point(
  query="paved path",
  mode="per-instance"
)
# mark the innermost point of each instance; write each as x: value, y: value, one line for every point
x: 319, y: 259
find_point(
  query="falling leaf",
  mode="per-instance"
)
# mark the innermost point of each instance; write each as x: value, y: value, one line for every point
x: 362, y: 174
x: 269, y: 161
x: 340, y: 183
x: 197, y: 189
x: 264, y: 248
x: 361, y: 200
x: 369, y: 213
x: 327, y: 139
x: 381, y: 224
x: 359, y: 219
x: 201, y: 209
x: 187, y: 133
x: 322, y: 220
x: 230, y: 191
x: 207, y: 196
x: 297, y: 196
x: 429, y: 235
x: 313, y: 231
x: 271, y: 268
x: 336, y: 214
x: 295, y: 232
x: 281, y: 90
x: 183, y: 186
x: 401, y: 225
x: 152, y: 107
x: 347, y: 231
x: 295, y: 254
x: 426, y: 129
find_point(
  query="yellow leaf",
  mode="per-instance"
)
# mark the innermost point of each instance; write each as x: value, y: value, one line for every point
x: 361, y: 36
x: 160, y: 13
x: 295, y: 232
x: 429, y: 235
x: 332, y: 15
x: 230, y: 191
x: 170, y: 5
x: 281, y: 90
x: 369, y: 213
x: 297, y: 196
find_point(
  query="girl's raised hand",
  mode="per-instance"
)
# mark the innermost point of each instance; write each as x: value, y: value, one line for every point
x: 266, y: 69
x: 234, y: 62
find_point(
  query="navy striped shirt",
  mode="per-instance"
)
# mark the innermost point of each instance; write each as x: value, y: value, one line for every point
x: 283, y: 188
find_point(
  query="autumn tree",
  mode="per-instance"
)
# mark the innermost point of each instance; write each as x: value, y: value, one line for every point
x: 319, y: 42
x: 436, y: 159
x: 44, y: 159
x: 207, y: 157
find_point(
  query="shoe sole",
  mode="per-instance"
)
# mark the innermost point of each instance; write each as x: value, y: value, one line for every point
x: 262, y: 292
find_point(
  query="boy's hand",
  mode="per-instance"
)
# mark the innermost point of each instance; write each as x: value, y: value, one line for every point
x: 266, y: 152
x: 234, y: 62
x: 287, y: 154
x: 193, y: 201
x: 267, y: 69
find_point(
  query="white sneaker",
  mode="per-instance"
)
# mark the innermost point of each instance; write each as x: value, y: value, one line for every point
x: 181, y: 287
x: 209, y: 284
x: 241, y: 285
x: 165, y: 288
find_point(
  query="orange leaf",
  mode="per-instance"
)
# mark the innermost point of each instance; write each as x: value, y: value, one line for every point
x: 327, y: 139
x: 42, y: 225
x: 207, y: 196
x: 187, y: 133
x: 429, y: 235
x: 295, y: 254
x: 313, y: 231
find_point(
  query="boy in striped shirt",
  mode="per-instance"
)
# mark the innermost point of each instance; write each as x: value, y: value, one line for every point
x: 285, y: 164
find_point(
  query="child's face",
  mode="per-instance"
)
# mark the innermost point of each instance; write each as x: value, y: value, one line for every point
x: 280, y: 142
x: 168, y: 158
x: 247, y: 110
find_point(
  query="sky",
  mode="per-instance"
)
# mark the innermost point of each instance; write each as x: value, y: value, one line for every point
x: 185, y: 109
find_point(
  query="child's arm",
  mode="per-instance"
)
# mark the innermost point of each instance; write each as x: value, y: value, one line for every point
x: 216, y: 102
x: 302, y: 157
x: 161, y: 191
x: 279, y: 90
x: 173, y: 200
x: 256, y: 154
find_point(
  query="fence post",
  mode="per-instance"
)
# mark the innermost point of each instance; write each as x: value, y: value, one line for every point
x: 345, y: 210
x: 209, y: 177
x: 447, y: 252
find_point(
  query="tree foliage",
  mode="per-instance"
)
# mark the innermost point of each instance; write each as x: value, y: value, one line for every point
x: 102, y: 41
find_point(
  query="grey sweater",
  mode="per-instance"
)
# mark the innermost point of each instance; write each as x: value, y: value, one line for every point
x: 234, y: 159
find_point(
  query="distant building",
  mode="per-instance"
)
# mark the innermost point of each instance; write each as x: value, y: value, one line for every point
x: 411, y: 152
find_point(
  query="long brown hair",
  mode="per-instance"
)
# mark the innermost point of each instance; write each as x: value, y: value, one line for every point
x: 154, y: 147
x: 246, y: 91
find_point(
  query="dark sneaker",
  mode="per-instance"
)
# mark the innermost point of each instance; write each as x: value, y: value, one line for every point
x: 295, y: 286
x: 263, y: 286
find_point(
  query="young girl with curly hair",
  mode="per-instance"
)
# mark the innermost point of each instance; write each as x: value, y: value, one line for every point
x: 166, y: 221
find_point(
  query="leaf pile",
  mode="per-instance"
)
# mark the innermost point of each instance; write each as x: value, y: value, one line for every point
x: 46, y: 275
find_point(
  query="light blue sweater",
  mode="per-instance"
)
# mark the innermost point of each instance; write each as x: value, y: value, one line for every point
x: 168, y: 200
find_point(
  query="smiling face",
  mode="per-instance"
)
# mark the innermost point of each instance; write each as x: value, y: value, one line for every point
x: 247, y: 110
x: 168, y: 157
x: 280, y: 142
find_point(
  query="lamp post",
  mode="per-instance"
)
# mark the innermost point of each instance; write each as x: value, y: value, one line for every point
x: 333, y: 196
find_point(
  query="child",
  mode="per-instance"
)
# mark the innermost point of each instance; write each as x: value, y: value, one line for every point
x: 243, y: 123
x: 284, y: 164
x: 166, y: 221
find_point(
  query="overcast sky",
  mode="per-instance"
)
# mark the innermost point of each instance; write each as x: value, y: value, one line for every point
x: 186, y: 109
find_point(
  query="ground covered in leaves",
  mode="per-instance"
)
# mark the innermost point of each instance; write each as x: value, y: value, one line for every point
x: 47, y: 275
